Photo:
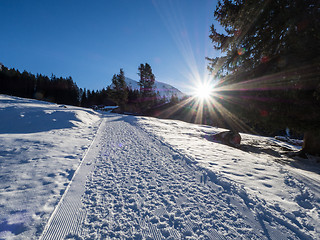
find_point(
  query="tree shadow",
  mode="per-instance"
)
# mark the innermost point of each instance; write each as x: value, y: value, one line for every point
x: 259, y: 150
x: 310, y: 164
x: 285, y: 156
x: 16, y: 120
x: 131, y: 119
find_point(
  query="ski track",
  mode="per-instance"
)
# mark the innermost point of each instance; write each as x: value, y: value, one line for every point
x: 142, y: 189
x: 130, y: 185
x: 68, y: 215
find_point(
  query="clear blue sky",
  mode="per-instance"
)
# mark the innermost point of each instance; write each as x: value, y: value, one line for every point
x: 91, y: 40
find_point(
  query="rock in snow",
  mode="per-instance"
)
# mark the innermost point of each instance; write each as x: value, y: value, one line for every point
x: 85, y: 175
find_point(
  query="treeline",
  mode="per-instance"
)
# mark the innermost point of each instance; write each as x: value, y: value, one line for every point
x: 25, y: 84
x: 65, y: 91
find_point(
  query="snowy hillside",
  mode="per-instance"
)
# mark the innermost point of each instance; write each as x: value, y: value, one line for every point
x: 41, y: 145
x: 72, y: 173
x: 165, y: 90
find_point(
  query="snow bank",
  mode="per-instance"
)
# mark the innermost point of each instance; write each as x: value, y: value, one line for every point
x: 41, y: 145
x: 29, y: 116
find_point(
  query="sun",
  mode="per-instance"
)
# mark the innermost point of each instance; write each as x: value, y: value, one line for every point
x: 203, y: 91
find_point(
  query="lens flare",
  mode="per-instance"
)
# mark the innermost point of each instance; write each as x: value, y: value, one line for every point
x: 241, y: 51
x: 207, y: 103
x: 203, y: 91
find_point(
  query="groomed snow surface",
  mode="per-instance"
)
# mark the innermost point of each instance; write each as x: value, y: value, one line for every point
x: 72, y: 173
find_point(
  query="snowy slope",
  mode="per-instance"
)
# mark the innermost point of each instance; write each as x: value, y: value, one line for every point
x: 78, y: 174
x: 41, y: 146
x: 164, y: 89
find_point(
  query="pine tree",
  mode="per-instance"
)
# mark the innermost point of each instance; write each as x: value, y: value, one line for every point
x: 120, y: 91
x: 270, y: 63
x: 147, y: 86
x: 84, y: 99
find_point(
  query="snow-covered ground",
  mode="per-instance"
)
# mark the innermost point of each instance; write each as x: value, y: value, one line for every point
x: 77, y: 174
x: 41, y: 146
x: 277, y: 189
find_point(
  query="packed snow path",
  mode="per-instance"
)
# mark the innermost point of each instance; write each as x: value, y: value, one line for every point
x: 68, y: 215
x: 142, y: 189
x: 137, y: 187
x: 160, y: 176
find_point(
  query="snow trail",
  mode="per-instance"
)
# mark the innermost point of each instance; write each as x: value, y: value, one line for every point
x: 145, y: 178
x: 68, y: 214
x: 131, y: 185
x: 142, y: 189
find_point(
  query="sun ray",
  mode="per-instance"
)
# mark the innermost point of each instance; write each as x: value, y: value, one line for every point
x: 173, y: 109
x: 231, y: 119
x: 210, y: 101
x: 278, y: 81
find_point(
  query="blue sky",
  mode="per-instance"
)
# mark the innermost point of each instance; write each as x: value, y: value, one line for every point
x: 91, y: 40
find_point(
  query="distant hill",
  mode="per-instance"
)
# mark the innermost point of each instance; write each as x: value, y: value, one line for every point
x: 164, y: 89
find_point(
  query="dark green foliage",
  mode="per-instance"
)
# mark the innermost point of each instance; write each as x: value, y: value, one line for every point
x: 148, y: 97
x: 269, y: 68
x: 270, y: 63
x: 59, y: 90
x: 54, y: 89
x: 174, y: 99
x: 65, y: 91
x: 120, y: 91
x: 133, y: 96
x: 83, y: 99
x: 278, y: 33
x: 97, y: 98
x: 147, y: 80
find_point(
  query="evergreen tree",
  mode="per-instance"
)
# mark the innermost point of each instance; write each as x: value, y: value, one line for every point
x: 84, y: 99
x: 147, y: 86
x: 174, y: 99
x: 120, y: 91
x: 270, y: 63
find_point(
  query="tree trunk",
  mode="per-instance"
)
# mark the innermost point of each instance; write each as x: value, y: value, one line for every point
x: 311, y: 142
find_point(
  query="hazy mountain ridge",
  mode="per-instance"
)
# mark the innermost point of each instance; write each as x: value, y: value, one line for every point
x: 164, y: 89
